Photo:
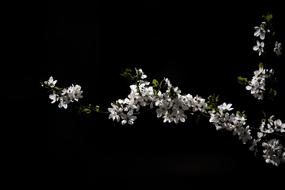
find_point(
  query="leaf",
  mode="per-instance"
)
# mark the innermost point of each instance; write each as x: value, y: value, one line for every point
x: 242, y: 80
x: 155, y: 83
x: 268, y: 17
x: 261, y: 65
x: 97, y: 109
x: 127, y: 73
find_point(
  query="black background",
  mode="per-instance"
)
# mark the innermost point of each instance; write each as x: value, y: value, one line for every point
x: 201, y: 47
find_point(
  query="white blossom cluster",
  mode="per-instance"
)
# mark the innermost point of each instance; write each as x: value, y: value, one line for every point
x: 223, y: 119
x: 272, y: 125
x: 273, y: 152
x: 65, y: 95
x: 141, y: 95
x: 260, y: 31
x: 256, y: 85
x: 172, y: 105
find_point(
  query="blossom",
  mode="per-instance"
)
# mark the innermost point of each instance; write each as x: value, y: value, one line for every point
x: 63, y: 102
x: 279, y: 126
x: 54, y: 97
x: 66, y: 95
x: 277, y: 48
x: 243, y: 133
x: 122, y: 110
x: 225, y: 107
x: 142, y: 75
x: 271, y: 125
x: 260, y: 31
x: 256, y: 85
x: 50, y: 82
x: 259, y: 47
x: 73, y: 92
x: 272, y: 152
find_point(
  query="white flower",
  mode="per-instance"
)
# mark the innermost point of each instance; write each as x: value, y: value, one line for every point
x: 266, y: 127
x: 270, y: 125
x: 260, y: 31
x: 279, y: 126
x: 257, y: 84
x: 225, y: 107
x: 66, y: 95
x: 50, y: 82
x: 259, y: 47
x: 54, y: 97
x: 143, y: 76
x: 74, y: 92
x: 114, y: 112
x: 63, y: 102
x: 273, y: 151
x: 243, y: 133
x: 277, y: 48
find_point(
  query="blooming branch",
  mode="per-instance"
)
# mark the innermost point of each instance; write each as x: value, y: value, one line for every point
x: 172, y: 105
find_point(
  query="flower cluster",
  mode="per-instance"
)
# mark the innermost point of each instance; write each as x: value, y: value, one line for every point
x: 63, y: 96
x: 260, y: 31
x: 172, y: 105
x: 272, y: 125
x: 223, y: 119
x: 273, y: 152
x: 141, y: 95
x: 257, y: 84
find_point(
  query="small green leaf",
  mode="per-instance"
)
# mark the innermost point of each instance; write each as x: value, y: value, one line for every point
x: 97, y: 109
x: 261, y: 65
x: 155, y: 91
x: 127, y: 73
x: 242, y: 80
x: 273, y: 92
x: 155, y: 83
x: 268, y: 17
x: 87, y: 110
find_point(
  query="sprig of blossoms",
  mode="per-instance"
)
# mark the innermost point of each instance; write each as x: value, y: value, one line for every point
x: 172, y: 105
x: 272, y: 125
x: 259, y: 47
x: 223, y: 119
x: 63, y: 95
x: 256, y: 85
x: 141, y: 95
x: 273, y: 152
x: 261, y: 30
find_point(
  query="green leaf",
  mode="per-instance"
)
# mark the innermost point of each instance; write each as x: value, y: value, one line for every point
x: 242, y: 80
x: 268, y: 17
x: 97, y: 109
x: 261, y: 65
x: 87, y: 110
x: 127, y: 73
x: 212, y: 102
x: 273, y: 92
x: 155, y: 83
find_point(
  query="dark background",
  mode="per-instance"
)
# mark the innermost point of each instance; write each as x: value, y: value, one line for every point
x: 200, y: 47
